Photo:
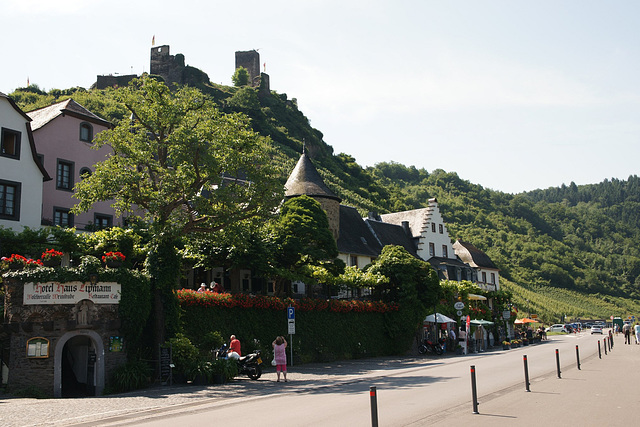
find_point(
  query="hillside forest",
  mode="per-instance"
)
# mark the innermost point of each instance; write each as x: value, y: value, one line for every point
x: 565, y: 252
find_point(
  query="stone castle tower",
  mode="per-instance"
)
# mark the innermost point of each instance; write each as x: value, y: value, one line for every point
x: 305, y: 180
x: 167, y: 66
x: 251, y: 61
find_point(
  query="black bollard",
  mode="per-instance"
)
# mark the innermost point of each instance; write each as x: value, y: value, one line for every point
x: 526, y: 373
x: 374, y: 406
x: 611, y: 343
x: 558, y: 362
x: 474, y: 393
x: 599, y: 351
x: 605, y: 346
x: 578, y: 356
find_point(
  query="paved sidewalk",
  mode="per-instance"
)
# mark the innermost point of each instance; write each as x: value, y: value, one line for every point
x: 604, y: 392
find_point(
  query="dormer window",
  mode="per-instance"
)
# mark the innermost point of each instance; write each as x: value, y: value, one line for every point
x: 86, y: 132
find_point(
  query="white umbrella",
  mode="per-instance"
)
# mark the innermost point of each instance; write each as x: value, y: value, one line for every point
x: 440, y: 318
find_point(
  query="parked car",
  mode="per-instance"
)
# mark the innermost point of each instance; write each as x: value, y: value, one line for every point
x: 596, y: 329
x: 557, y: 328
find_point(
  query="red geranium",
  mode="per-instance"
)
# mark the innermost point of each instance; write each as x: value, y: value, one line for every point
x: 113, y: 256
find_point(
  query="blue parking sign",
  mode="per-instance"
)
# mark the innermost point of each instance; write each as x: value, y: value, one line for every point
x: 291, y: 313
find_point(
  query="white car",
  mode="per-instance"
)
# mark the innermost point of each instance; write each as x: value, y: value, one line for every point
x: 596, y: 329
x: 557, y: 328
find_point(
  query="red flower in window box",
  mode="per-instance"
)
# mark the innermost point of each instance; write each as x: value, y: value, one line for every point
x: 113, y: 259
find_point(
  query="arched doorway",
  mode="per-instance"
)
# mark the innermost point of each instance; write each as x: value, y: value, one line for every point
x: 79, y: 365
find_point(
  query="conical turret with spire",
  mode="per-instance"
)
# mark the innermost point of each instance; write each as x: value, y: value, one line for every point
x: 305, y: 180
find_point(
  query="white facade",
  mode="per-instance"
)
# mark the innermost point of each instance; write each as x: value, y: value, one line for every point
x: 359, y: 261
x: 20, y: 177
x: 435, y: 240
x: 488, y: 279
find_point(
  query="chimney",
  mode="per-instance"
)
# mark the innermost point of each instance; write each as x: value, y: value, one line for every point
x: 374, y: 216
x: 405, y: 227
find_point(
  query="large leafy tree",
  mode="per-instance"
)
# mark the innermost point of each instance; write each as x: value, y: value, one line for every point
x: 412, y: 283
x: 304, y: 243
x: 185, y: 168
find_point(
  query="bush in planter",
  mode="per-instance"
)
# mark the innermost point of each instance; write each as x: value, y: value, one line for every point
x: 230, y: 369
x: 185, y: 355
x: 201, y: 372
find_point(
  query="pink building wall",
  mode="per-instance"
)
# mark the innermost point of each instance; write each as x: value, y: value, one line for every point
x: 59, y: 139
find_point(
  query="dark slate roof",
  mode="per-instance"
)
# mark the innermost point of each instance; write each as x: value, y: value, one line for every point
x: 438, y: 261
x: 44, y: 115
x: 305, y: 180
x: 355, y: 236
x: 472, y: 255
x: 392, y: 234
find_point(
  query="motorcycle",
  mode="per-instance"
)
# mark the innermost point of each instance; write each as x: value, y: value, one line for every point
x: 429, y: 346
x: 248, y: 365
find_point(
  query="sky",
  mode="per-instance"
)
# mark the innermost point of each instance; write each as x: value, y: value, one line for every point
x: 512, y: 95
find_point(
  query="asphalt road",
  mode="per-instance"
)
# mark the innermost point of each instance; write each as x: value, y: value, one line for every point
x: 410, y: 391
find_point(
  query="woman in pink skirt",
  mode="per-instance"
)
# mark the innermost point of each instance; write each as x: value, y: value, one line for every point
x: 279, y: 353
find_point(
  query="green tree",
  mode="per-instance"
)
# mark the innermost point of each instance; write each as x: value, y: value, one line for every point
x: 304, y: 241
x: 185, y: 167
x: 413, y: 284
x: 240, y: 77
x: 409, y: 277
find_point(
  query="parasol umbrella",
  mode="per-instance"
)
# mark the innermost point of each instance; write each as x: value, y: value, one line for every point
x: 439, y: 318
x: 478, y: 322
x: 525, y: 320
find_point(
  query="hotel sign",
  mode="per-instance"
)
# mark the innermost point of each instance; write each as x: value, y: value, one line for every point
x: 71, y: 293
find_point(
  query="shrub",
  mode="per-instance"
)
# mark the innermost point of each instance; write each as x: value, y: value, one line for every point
x: 133, y: 375
x: 185, y: 355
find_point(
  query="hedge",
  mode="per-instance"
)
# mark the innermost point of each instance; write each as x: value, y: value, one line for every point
x: 326, y: 330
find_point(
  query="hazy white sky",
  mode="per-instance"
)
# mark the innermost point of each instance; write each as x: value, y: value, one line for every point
x: 513, y: 95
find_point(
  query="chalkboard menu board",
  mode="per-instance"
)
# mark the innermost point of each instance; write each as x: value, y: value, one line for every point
x: 165, y: 365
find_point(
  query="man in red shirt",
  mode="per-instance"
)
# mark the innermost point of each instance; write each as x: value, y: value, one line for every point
x: 234, y: 348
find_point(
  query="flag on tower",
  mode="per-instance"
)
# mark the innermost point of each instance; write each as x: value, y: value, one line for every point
x: 153, y: 40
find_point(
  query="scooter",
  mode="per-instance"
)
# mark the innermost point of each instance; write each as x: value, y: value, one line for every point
x: 248, y: 365
x: 429, y: 346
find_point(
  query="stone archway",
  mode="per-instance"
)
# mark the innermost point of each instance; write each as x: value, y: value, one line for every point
x: 97, y: 344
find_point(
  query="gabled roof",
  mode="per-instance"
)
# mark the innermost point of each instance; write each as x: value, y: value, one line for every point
x: 417, y: 218
x: 472, y: 255
x: 392, y: 234
x: 305, y: 180
x: 355, y: 237
x: 15, y: 106
x: 44, y: 115
x: 32, y: 144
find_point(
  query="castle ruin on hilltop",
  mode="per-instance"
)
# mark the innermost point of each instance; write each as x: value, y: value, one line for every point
x: 172, y: 69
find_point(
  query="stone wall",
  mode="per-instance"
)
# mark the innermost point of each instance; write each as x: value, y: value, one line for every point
x: 332, y: 209
x: 104, y: 82
x: 58, y: 323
